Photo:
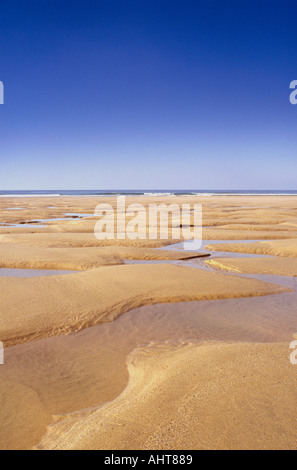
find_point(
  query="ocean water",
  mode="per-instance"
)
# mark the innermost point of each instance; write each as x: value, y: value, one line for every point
x: 202, y: 192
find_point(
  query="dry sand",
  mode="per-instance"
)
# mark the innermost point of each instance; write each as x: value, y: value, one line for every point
x: 283, y: 248
x: 80, y: 259
x: 214, y: 374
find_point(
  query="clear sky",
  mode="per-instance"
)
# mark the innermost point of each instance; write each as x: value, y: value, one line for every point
x: 148, y: 94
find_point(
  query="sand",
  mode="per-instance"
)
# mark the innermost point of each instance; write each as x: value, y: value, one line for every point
x: 77, y: 301
x: 271, y: 265
x: 80, y: 259
x: 283, y: 248
x: 212, y: 396
x: 148, y: 356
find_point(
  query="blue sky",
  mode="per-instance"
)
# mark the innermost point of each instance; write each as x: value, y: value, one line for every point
x: 148, y: 94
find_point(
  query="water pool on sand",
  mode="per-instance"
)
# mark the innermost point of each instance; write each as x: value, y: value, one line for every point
x: 32, y: 272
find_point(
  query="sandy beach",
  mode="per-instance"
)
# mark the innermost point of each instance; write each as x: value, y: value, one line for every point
x: 143, y: 347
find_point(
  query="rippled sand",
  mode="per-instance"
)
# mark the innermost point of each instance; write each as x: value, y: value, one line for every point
x: 148, y: 356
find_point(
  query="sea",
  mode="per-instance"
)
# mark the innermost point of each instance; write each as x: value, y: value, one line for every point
x: 147, y: 192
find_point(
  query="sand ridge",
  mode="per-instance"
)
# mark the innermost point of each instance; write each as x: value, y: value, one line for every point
x: 81, y: 259
x: 279, y: 266
x: 61, y: 305
x: 283, y: 248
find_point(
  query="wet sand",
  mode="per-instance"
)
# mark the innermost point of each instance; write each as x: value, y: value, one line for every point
x: 148, y: 356
x: 269, y: 265
x: 192, y: 396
